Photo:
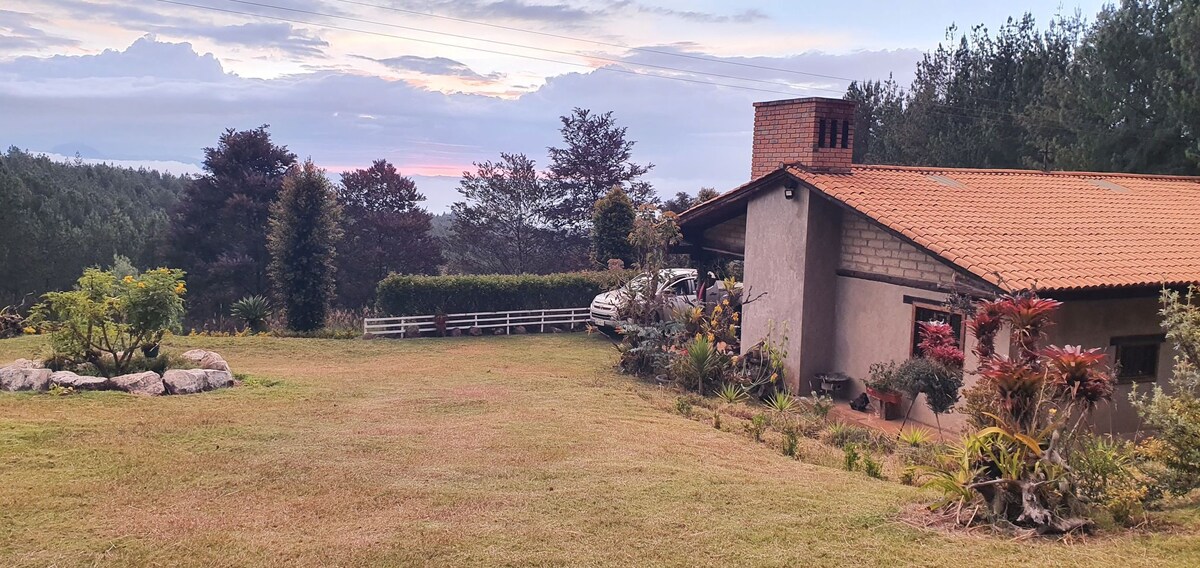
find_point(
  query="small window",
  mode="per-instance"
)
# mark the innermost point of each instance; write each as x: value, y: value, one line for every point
x: 926, y: 313
x: 821, y: 133
x: 845, y: 133
x: 833, y: 135
x: 1137, y: 357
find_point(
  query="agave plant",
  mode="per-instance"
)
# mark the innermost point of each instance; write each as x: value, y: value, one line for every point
x: 254, y: 310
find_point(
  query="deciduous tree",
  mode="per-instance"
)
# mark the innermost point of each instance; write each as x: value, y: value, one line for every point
x: 385, y: 231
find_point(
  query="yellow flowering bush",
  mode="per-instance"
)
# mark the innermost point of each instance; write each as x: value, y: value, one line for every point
x: 105, y: 320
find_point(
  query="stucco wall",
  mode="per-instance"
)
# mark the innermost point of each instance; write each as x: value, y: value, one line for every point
x: 1093, y: 324
x: 791, y: 260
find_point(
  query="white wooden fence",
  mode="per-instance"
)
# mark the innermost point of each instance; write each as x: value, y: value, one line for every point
x: 483, y: 320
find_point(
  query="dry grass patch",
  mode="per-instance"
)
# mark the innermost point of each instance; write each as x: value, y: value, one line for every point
x: 475, y: 451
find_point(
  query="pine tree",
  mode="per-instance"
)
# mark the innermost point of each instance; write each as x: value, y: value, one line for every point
x: 612, y: 220
x: 304, y: 231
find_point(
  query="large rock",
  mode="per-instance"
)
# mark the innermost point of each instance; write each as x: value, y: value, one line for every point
x: 185, y: 381
x: 147, y: 383
x: 79, y: 382
x: 218, y: 379
x: 25, y: 364
x: 21, y: 379
x: 207, y: 360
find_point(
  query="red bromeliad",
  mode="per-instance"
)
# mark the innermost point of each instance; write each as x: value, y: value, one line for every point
x: 1078, y: 373
x: 938, y: 343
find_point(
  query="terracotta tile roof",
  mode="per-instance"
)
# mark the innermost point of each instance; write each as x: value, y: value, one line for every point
x: 1015, y: 228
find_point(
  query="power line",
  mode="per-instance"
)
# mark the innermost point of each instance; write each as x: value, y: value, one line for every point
x: 583, y: 65
x: 525, y: 46
x: 596, y: 42
x: 492, y: 51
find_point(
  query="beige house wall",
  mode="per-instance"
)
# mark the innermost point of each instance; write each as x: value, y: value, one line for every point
x: 794, y: 252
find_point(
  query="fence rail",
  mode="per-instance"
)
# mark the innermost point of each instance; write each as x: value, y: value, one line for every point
x: 483, y: 320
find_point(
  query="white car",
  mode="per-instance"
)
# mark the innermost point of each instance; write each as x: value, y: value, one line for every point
x: 678, y: 286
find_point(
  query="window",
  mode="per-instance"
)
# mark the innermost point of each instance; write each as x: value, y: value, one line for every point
x: 1137, y: 357
x: 930, y: 312
x: 833, y: 135
x: 845, y: 134
x: 821, y: 133
x: 685, y: 287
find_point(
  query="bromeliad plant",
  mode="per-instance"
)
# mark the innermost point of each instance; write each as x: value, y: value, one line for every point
x: 1016, y: 469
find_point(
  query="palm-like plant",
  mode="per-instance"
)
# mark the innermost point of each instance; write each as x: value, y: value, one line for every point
x: 730, y: 393
x: 254, y: 310
x: 701, y: 364
x: 781, y: 402
x: 916, y: 437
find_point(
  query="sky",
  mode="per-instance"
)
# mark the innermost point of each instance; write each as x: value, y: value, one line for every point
x: 434, y: 86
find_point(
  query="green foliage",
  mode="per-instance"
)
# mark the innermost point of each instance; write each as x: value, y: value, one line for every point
x: 916, y: 437
x: 871, y: 466
x: 757, y: 425
x: 700, y: 366
x: 59, y: 390
x: 1175, y: 415
x: 219, y: 230
x: 304, y: 232
x: 730, y: 393
x: 612, y: 221
x: 401, y: 295
x: 850, y: 457
x: 791, y: 441
x: 106, y: 321
x: 254, y: 311
x: 506, y: 222
x: 683, y: 405
x: 1115, y: 94
x: 818, y: 405
x: 386, y: 231
x: 781, y: 402
x: 56, y: 219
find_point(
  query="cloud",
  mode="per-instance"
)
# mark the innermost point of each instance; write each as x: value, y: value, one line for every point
x: 696, y: 134
x: 189, y: 23
x: 743, y: 17
x: 437, y: 66
x: 17, y: 32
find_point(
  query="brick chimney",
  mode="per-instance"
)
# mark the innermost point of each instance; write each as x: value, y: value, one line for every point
x: 815, y: 132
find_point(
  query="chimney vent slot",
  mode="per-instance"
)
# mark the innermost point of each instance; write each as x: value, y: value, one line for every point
x: 833, y: 135
x: 845, y: 133
x: 821, y: 134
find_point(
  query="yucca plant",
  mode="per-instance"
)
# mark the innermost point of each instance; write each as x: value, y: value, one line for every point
x: 254, y: 311
x: 730, y: 393
x: 701, y: 364
x: 915, y: 437
x: 781, y: 402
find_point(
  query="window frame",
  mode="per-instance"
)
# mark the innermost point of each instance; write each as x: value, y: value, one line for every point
x: 1122, y: 341
x: 920, y: 304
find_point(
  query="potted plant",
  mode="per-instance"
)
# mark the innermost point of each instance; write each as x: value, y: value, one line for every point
x: 884, y: 390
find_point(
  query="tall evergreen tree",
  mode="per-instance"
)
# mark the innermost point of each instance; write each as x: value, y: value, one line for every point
x: 386, y: 231
x: 612, y: 221
x: 505, y: 223
x: 304, y: 231
x: 220, y: 233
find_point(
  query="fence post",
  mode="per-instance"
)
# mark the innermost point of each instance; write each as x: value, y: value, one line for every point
x: 543, y: 320
x: 508, y: 323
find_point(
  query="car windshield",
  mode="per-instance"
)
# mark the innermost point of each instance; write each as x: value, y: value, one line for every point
x: 640, y: 281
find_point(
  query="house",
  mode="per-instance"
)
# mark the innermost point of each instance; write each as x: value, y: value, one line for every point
x: 851, y: 256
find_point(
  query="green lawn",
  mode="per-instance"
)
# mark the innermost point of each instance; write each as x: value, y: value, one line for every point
x: 523, y: 450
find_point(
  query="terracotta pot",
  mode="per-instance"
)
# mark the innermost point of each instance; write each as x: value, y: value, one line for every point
x: 887, y: 404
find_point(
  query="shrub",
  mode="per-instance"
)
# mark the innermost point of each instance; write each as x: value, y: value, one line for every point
x: 756, y: 426
x: 1016, y: 471
x: 731, y: 394
x: 254, y: 311
x: 791, y: 440
x: 700, y: 365
x: 872, y: 467
x: 406, y: 295
x: 1176, y: 416
x: 818, y: 405
x: 106, y: 321
x: 850, y: 457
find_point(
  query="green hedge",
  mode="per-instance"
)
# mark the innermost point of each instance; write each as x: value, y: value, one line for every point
x: 405, y: 295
